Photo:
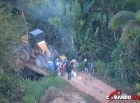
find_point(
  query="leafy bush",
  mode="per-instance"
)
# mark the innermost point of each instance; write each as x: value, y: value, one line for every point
x: 51, y: 74
x: 111, y: 75
x: 138, y: 87
x: 4, y: 100
x: 81, y: 66
x: 101, y: 68
x: 13, y: 26
x: 104, y: 69
x: 30, y: 99
x: 11, y: 87
x: 36, y: 89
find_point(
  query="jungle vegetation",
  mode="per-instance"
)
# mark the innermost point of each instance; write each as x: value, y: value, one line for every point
x: 107, y: 32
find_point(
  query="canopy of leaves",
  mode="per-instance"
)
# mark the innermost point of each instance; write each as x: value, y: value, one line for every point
x: 138, y: 15
x: 131, y: 30
x: 120, y: 19
x: 137, y: 2
x: 11, y: 29
x: 87, y: 6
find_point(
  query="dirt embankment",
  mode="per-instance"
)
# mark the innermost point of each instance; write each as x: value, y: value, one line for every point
x: 56, y: 96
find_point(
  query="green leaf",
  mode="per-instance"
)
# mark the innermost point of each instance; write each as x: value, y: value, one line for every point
x: 87, y: 8
x: 120, y: 19
x: 96, y: 32
x: 132, y: 29
x: 138, y: 15
x: 87, y: 33
x: 56, y: 22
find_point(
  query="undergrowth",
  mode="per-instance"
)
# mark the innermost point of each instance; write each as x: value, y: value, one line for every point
x: 106, y: 72
x: 36, y: 89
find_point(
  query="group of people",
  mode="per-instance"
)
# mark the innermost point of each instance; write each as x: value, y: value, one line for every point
x: 74, y: 65
x: 71, y: 67
x: 60, y: 67
x: 92, y: 67
x: 66, y: 66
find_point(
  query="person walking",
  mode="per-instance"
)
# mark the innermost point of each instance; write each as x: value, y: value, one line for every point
x: 63, y: 67
x: 92, y: 69
x: 86, y: 65
x: 68, y: 69
x: 75, y: 67
x: 59, y: 70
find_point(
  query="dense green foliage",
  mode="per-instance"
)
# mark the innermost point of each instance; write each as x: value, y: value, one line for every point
x: 36, y: 89
x: 128, y: 46
x: 12, y: 27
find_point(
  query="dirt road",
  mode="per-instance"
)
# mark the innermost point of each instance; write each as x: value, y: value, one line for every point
x: 92, y: 86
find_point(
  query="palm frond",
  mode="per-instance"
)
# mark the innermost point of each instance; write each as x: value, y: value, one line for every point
x: 138, y: 15
x: 120, y: 19
x: 87, y: 33
x: 137, y: 2
x: 86, y: 8
x: 131, y: 30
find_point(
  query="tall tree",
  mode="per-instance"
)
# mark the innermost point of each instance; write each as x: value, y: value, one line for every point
x: 130, y: 41
x: 97, y: 39
x: 12, y: 27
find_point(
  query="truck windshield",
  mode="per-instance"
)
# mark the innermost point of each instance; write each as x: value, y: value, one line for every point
x: 40, y: 37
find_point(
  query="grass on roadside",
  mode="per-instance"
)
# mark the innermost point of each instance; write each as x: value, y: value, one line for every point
x: 36, y: 89
x: 105, y: 72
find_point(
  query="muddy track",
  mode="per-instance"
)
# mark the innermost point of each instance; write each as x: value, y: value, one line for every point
x: 93, y: 87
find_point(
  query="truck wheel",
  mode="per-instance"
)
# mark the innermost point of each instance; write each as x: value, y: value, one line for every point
x: 24, y: 55
x: 54, y: 54
x: 40, y: 61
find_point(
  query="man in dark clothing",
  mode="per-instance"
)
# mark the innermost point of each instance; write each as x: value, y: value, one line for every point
x: 68, y: 69
x: 92, y: 69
